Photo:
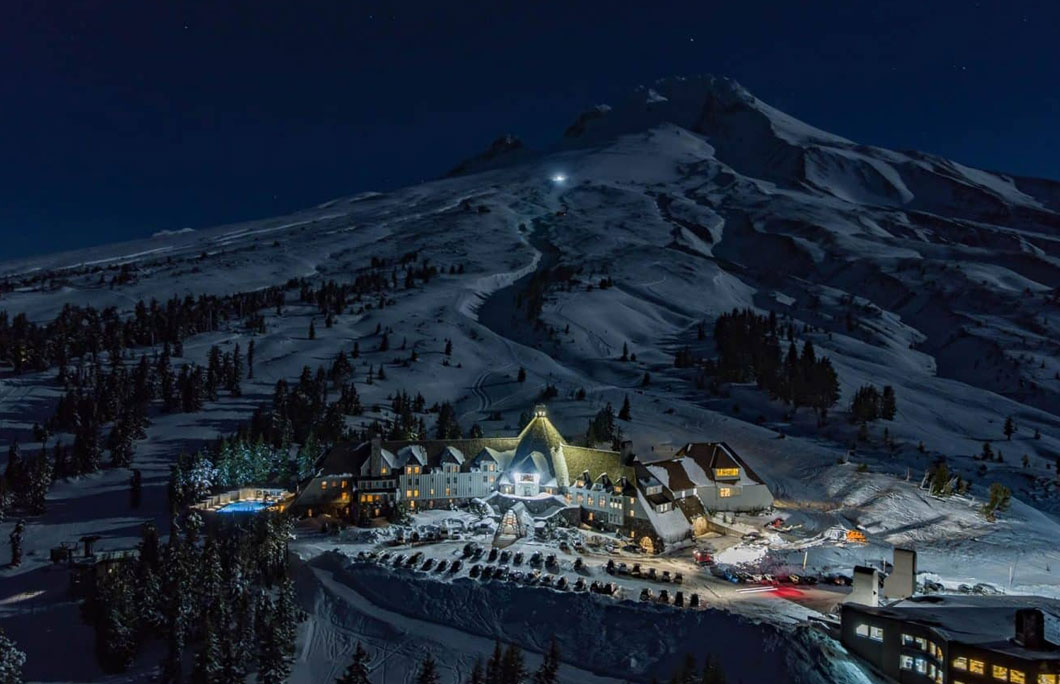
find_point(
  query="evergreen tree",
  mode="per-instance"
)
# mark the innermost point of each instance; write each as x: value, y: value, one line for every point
x: 135, y: 488
x: 357, y: 671
x: 521, y: 377
x: 625, y: 352
x: 448, y: 347
x: 312, y: 329
x: 713, y: 673
x: 11, y: 661
x: 447, y: 426
x: 208, y: 663
x: 1010, y: 428
x: 250, y: 360
x: 513, y: 669
x: 686, y: 674
x: 548, y: 673
x: 478, y: 675
x: 16, y: 543
x: 494, y: 664
x: 624, y: 412
x: 888, y: 403
x: 428, y: 673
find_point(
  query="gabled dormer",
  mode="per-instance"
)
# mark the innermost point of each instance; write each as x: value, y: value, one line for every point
x: 414, y: 459
x: 603, y: 483
x: 486, y: 461
x: 583, y: 481
x: 451, y: 459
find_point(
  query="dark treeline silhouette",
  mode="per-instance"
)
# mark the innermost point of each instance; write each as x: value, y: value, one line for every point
x: 750, y: 349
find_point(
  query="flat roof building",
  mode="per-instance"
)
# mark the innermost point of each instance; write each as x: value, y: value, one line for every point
x: 958, y: 639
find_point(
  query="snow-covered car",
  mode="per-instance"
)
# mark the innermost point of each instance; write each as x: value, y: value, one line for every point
x: 501, y: 573
x: 442, y: 565
x: 475, y: 571
x: 561, y: 584
x: 518, y: 558
x: 427, y: 564
x: 679, y: 599
x: 653, y: 575
x: 551, y: 561
x: 506, y: 556
x: 455, y: 566
x: 610, y: 566
x: 665, y: 576
x: 679, y: 578
x: 579, y: 564
x: 535, y: 559
x: 580, y: 584
x: 623, y: 569
x: 493, y: 555
x: 516, y: 576
x: 645, y: 594
x: 547, y: 581
x: 664, y: 597
x: 635, y: 572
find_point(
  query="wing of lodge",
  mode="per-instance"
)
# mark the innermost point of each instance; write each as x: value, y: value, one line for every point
x: 654, y: 503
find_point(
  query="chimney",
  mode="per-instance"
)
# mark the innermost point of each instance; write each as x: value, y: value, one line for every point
x: 626, y: 451
x: 375, y: 461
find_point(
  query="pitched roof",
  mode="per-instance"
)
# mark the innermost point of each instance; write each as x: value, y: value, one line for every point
x: 711, y: 455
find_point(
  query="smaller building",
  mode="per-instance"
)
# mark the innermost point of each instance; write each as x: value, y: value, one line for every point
x: 958, y: 639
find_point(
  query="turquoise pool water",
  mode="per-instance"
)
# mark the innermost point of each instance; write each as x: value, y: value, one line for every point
x: 243, y: 507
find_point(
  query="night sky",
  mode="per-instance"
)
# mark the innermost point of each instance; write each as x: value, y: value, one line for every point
x: 119, y: 119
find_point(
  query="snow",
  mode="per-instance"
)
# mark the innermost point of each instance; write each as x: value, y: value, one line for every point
x: 946, y: 271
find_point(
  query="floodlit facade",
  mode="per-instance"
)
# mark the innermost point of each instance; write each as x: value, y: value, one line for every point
x: 609, y: 490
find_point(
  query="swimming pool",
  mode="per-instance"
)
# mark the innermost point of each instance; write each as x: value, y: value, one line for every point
x: 244, y: 507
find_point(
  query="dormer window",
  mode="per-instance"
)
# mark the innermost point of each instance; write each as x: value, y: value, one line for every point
x: 383, y: 470
x: 727, y: 472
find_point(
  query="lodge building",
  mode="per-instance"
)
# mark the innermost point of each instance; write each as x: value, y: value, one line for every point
x: 941, y: 639
x: 655, y: 503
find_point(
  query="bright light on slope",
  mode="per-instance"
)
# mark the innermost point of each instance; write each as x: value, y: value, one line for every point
x: 559, y: 178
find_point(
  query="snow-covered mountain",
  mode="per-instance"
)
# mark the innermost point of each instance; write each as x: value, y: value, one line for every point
x: 692, y: 197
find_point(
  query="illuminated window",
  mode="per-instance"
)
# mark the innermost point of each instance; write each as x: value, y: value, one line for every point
x: 976, y: 667
x: 960, y: 663
x: 412, y: 504
x: 905, y: 662
x: 1000, y: 672
x: 631, y: 512
x: 921, y: 666
x: 383, y: 470
x: 1017, y: 677
x: 862, y: 630
x: 726, y: 472
x: 921, y: 643
x: 408, y: 493
x: 579, y: 499
x: 1047, y: 679
x: 907, y: 640
x: 724, y: 492
x: 876, y: 633
x: 323, y: 484
x: 416, y: 493
x: 447, y: 491
x: 590, y: 501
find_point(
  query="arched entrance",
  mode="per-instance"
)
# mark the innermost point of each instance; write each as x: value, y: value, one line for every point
x: 699, y: 526
x: 647, y: 544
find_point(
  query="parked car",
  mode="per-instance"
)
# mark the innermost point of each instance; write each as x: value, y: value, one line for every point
x: 579, y: 564
x: 487, y: 572
x: 506, y: 556
x: 516, y: 576
x: 469, y: 548
x: 666, y: 576
x: 428, y: 564
x: 551, y: 561
x: 561, y: 584
x: 535, y: 559
x: 580, y: 584
x: 678, y: 578
x: 454, y: 567
x: 664, y: 597
x: 547, y: 581
x: 610, y: 566
x: 442, y: 565
x: 475, y: 571
x: 595, y: 587
x: 478, y: 553
x: 645, y: 594
x: 693, y: 601
x: 493, y: 555
x: 518, y: 559
x: 652, y: 574
x: 679, y: 599
x: 563, y: 545
x: 635, y: 572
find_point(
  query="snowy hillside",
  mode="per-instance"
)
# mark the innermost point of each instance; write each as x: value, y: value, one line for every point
x: 690, y: 199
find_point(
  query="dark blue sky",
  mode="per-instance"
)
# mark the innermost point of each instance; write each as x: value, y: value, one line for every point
x: 119, y: 119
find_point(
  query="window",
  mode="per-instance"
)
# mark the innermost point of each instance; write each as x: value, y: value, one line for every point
x: 1047, y: 679
x: 383, y: 471
x: 447, y: 491
x: 408, y: 493
x: 977, y: 667
x: 960, y: 663
x: 905, y: 662
x: 1000, y: 672
x: 921, y: 643
x: 631, y: 512
x: 921, y: 666
x: 862, y: 630
x: 432, y: 491
x: 416, y: 493
x: 726, y: 472
x: 323, y: 484
x: 724, y: 492
x: 344, y: 483
x: 907, y: 639
x: 590, y: 500
x: 876, y: 633
x: 1017, y: 677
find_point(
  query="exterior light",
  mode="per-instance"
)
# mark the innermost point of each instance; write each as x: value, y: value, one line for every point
x: 559, y: 178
